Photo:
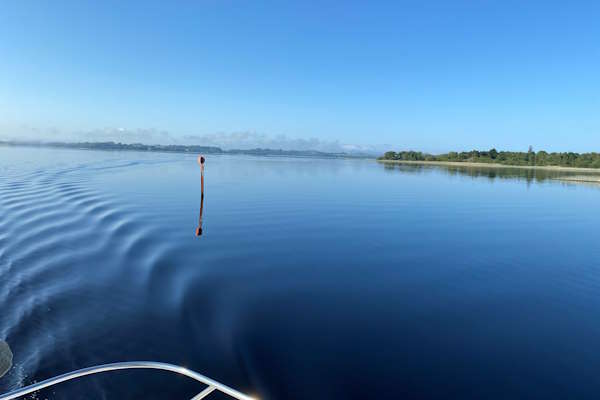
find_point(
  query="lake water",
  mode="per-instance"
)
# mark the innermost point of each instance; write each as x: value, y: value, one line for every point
x: 312, y: 278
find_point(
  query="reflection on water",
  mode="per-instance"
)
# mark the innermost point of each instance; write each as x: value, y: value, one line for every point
x: 201, y: 161
x: 491, y: 172
x: 199, y: 228
x: 443, y: 286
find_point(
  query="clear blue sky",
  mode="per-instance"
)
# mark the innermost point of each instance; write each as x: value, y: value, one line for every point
x: 432, y: 76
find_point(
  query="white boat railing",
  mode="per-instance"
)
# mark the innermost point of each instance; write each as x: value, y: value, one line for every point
x: 212, y: 385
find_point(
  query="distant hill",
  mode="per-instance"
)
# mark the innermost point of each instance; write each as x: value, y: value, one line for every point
x: 174, y: 148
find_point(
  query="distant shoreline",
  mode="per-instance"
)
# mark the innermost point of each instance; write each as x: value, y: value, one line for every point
x: 185, y: 149
x: 492, y: 165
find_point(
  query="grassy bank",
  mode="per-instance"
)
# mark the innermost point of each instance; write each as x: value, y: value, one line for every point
x: 492, y: 165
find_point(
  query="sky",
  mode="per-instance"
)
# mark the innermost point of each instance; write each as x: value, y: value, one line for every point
x: 421, y: 75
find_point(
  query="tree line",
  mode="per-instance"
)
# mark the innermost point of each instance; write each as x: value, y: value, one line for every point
x: 529, y: 158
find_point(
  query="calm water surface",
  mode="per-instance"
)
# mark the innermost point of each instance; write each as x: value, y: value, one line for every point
x: 312, y: 278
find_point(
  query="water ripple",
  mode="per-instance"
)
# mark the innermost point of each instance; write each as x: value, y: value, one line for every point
x: 55, y: 233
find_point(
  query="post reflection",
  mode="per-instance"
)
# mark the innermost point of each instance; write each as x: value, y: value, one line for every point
x: 201, y: 161
x: 199, y: 228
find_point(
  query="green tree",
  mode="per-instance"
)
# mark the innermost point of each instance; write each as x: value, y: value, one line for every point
x: 390, y: 155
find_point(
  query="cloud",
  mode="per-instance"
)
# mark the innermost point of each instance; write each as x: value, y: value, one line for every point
x: 25, y: 132
x: 225, y: 140
x: 252, y: 140
x: 28, y: 132
x: 123, y: 135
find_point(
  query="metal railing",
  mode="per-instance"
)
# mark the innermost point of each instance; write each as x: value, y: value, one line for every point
x: 212, y: 385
